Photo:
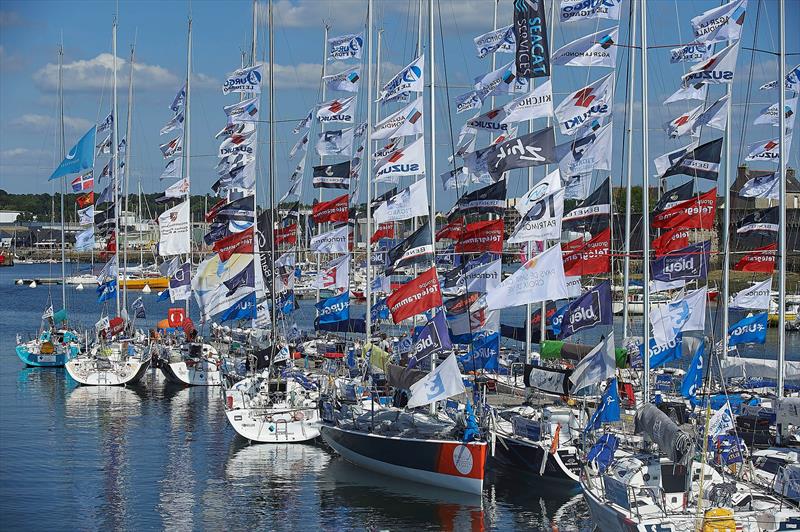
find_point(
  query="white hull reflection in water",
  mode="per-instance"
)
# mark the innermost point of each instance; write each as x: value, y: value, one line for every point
x: 281, y: 462
x: 116, y: 402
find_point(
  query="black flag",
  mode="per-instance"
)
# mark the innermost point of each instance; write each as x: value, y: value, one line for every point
x: 674, y: 196
x: 702, y: 162
x: 416, y: 249
x: 489, y: 199
x: 530, y: 34
x: 762, y: 220
x: 533, y: 149
x: 332, y: 175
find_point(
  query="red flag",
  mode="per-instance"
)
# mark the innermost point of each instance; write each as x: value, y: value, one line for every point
x: 415, y: 296
x: 188, y: 327
x: 452, y: 230
x: 234, y: 243
x: 212, y: 212
x: 286, y: 235
x: 672, y: 240
x: 85, y: 200
x: 335, y: 210
x: 759, y: 260
x: 695, y: 213
x: 385, y: 230
x: 591, y: 258
x: 481, y: 236
x: 111, y: 247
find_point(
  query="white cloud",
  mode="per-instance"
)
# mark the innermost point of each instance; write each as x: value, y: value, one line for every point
x: 343, y: 15
x: 43, y: 123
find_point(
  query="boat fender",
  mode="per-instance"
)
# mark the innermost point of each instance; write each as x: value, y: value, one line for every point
x: 299, y: 416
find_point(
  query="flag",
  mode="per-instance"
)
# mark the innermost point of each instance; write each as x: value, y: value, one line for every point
x: 674, y: 196
x: 410, y: 202
x: 697, y: 91
x: 245, y: 278
x: 335, y: 210
x: 595, y: 207
x: 761, y: 259
x: 334, y: 241
x: 696, y: 213
x: 415, y: 297
x: 598, y: 50
x: 172, y: 148
x: 542, y: 221
x: 589, y: 310
x: 452, y: 230
x: 334, y: 309
x: 302, y: 143
x: 766, y: 150
x: 406, y: 121
x: 347, y: 80
x: 574, y: 10
x: 335, y: 142
x: 493, y: 120
x: 335, y: 274
x: 417, y: 249
x: 660, y: 354
x: 338, y: 110
x: 431, y: 338
x: 598, y: 365
x: 79, y: 158
x: 86, y: 215
x: 235, y: 145
x: 483, y: 236
x: 303, y: 124
x: 468, y: 101
x: 332, y: 175
x: 109, y: 271
x: 48, y: 312
x: 138, y: 307
x: 179, y: 189
x: 760, y: 220
x: 247, y: 79
x: 532, y: 56
x: 539, y: 279
x: 174, y: 227
x: 406, y: 161
x: 409, y: 79
x: 686, y: 264
x: 668, y: 160
x: 749, y: 330
x: 179, y: 101
x: 173, y: 169
x: 679, y: 315
x: 683, y: 124
x: 719, y: 68
x: 591, y: 151
x: 538, y: 103
x: 384, y: 230
x: 761, y: 186
x: 243, y: 309
x: 608, y: 410
x: 692, y: 53
x: 484, y: 354
x: 721, y: 422
x: 106, y: 124
x: 533, y: 149
x: 770, y: 115
x: 723, y: 23
x: 502, y: 80
x: 180, y: 283
x: 176, y: 122
x: 208, y: 284
x: 671, y: 240
x: 455, y: 179
x: 792, y: 82
x: 346, y: 46
x: 754, y: 297
x: 490, y: 199
x: 85, y: 240
x: 441, y: 383
x: 592, y: 257
x: 243, y: 111
x: 693, y: 380
x: 241, y: 242
x: 550, y: 184
x: 499, y: 40
x: 286, y: 235
x: 83, y: 182
x: 107, y: 291
x: 714, y: 116
x: 592, y: 101
x: 482, y: 275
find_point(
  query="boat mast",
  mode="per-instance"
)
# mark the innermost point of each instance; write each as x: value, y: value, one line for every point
x: 645, y: 212
x: 187, y: 143
x: 63, y: 178
x: 124, y: 241
x: 322, y: 124
x: 782, y: 194
x: 367, y: 167
x: 629, y: 177
x: 271, y: 154
x: 432, y: 120
x: 115, y: 155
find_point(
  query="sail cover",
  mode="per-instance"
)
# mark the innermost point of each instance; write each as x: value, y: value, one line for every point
x: 669, y: 437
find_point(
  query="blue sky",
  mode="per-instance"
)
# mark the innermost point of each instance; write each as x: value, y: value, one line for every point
x: 31, y: 30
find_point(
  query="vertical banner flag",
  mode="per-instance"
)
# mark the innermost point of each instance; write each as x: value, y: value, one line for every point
x: 174, y: 227
x: 530, y: 33
x: 79, y: 158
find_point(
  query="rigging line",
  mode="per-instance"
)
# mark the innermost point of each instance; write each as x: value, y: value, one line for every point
x: 749, y: 82
x: 447, y: 94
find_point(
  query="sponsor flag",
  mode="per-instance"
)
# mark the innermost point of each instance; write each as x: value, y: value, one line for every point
x: 696, y: 213
x: 334, y: 241
x: 338, y: 110
x: 660, y: 354
x: 410, y: 202
x: 286, y: 235
x: 335, y: 210
x: 500, y: 81
x: 406, y: 161
x: 692, y: 53
x: 683, y: 124
x: 719, y: 68
x: 173, y: 169
x: 180, y: 283
x: 702, y: 162
x: 493, y: 120
x: 234, y: 243
x: 538, y: 103
x: 499, y: 40
x: 452, y: 230
x: 538, y: 279
x: 176, y: 122
x: 542, y: 221
x: 384, y: 230
x: 109, y: 271
x: 177, y: 189
x: 85, y: 240
x: 598, y: 365
x: 590, y: 310
x: 433, y: 337
x: 406, y: 121
x: 484, y: 354
x: 696, y: 91
x: 388, y: 148
x: 685, y: 264
x: 481, y: 236
x: 468, y: 101
x: 671, y: 240
x: 86, y: 215
x: 792, y: 82
x: 482, y: 274
x: 577, y: 186
x: 679, y: 315
x: 179, y: 100
x: 674, y: 196
x: 244, y: 111
x: 693, y: 380
x: 304, y: 124
x: 598, y: 50
x: 334, y: 309
x: 766, y: 150
x: 591, y: 151
x: 723, y: 23
x: 301, y: 144
x: 592, y: 101
x: 597, y: 204
x: 668, y: 160
x: 244, y: 80
x: 608, y: 410
x: 415, y: 250
x: 107, y: 291
x: 749, y: 330
x: 721, y: 422
x: 332, y: 175
x: 754, y: 297
x: 335, y: 274
x: 209, y: 283
x: 172, y: 148
x: 592, y: 257
x: 335, y: 142
x: 455, y: 179
x: 441, y: 383
x: 348, y: 80
x: 575, y: 10
x: 415, y: 297
x: 761, y: 220
x: 174, y: 227
x: 770, y: 115
x: 106, y: 124
x: 348, y: 46
x: 79, y: 158
x: 761, y: 259
x: 490, y: 199
x: 410, y: 79
x: 548, y: 185
x: 83, y: 182
x: 532, y: 57
x: 714, y: 116
x: 533, y: 149
x: 244, y: 309
x: 238, y: 144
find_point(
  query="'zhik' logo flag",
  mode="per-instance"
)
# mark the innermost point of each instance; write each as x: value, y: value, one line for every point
x: 533, y: 149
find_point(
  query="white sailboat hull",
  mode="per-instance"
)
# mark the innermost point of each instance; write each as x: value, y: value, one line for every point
x: 275, y: 425
x: 201, y: 373
x: 88, y: 372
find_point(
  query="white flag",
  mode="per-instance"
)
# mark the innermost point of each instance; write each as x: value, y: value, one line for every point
x: 410, y: 202
x: 178, y: 189
x: 335, y: 274
x: 698, y: 91
x: 499, y: 40
x: 598, y: 365
x: 503, y: 80
x: 484, y: 277
x: 106, y: 124
x: 538, y: 103
x: 683, y: 124
x: 238, y: 144
x: 441, y: 383
x: 347, y: 80
x: 668, y: 160
x: 303, y: 124
x: 457, y: 178
x: 389, y: 147
x: 172, y: 148
x: 719, y: 68
x: 598, y: 49
x: 766, y: 150
x: 263, y: 317
x: 767, y: 186
x: 176, y: 122
x: 492, y: 120
x: 723, y: 23
x: 549, y: 184
x: 334, y: 241
x: 755, y: 297
x: 174, y: 227
x: 208, y: 283
x: 692, y: 53
x: 407, y: 161
x: 715, y: 115
x: 410, y: 79
x: 770, y: 115
x: 542, y: 221
x: 346, y: 46
x: 683, y: 314
x: 574, y: 10
x: 792, y: 82
x: 301, y: 144
x: 335, y: 142
x: 48, y: 312
x: 86, y: 216
x: 406, y: 121
x: 179, y: 101
x: 589, y: 152
x: 244, y: 80
x: 539, y: 279
x: 338, y: 110
x: 577, y: 186
x: 244, y: 111
x: 592, y: 101
x: 468, y: 101
x: 721, y: 422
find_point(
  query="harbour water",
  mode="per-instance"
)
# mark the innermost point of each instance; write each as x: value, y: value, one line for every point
x: 160, y: 456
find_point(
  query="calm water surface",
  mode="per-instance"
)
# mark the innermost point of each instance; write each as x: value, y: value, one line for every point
x: 163, y: 457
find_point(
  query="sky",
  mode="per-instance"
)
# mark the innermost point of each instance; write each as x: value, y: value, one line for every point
x: 30, y: 33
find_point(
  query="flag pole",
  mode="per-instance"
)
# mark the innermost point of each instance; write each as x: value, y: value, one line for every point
x: 187, y: 144
x: 322, y: 124
x: 629, y: 177
x: 124, y: 241
x: 782, y: 194
x: 645, y: 211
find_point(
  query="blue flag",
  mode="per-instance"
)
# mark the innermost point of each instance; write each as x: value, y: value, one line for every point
x: 243, y: 309
x: 138, y: 308
x: 557, y: 319
x: 433, y: 337
x: 693, y: 380
x: 661, y: 354
x: 484, y: 354
x: 79, y: 158
x: 608, y: 409
x: 286, y: 302
x: 751, y: 330
x: 688, y: 263
x: 334, y: 309
x: 107, y: 291
x: 163, y: 295
x: 591, y: 309
x: 379, y: 310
